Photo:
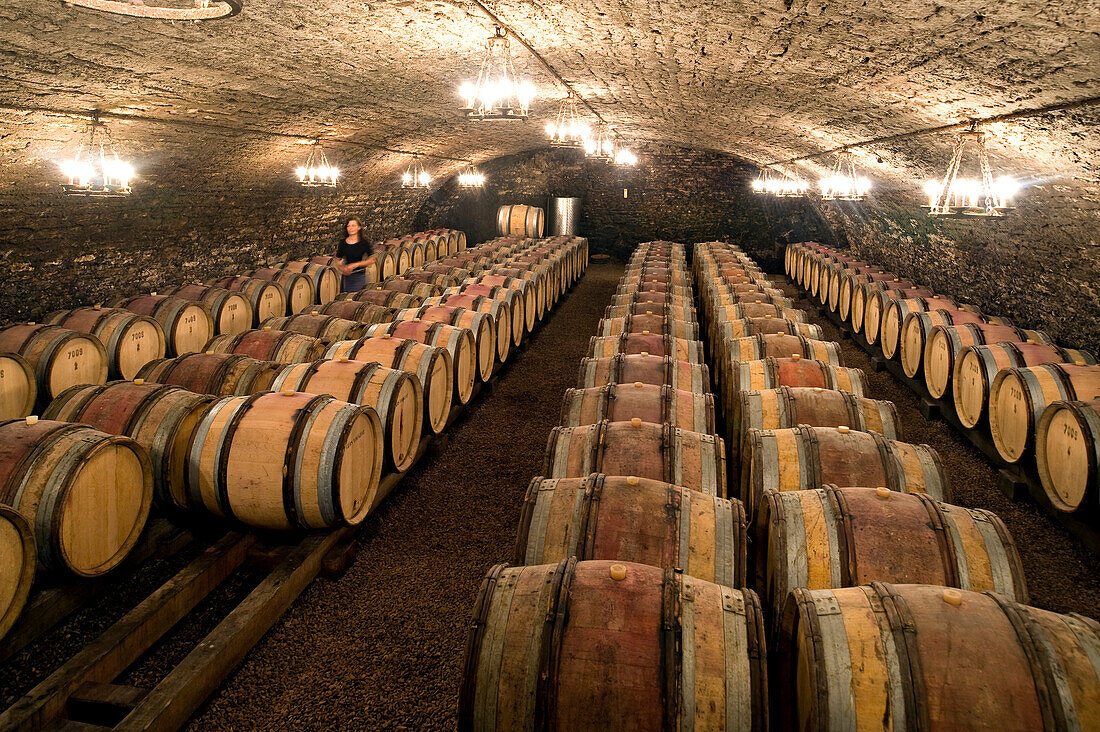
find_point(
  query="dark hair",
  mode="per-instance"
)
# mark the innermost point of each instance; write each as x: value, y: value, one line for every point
x: 344, y: 227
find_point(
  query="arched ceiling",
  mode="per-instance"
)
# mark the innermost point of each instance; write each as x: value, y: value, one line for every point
x: 763, y: 80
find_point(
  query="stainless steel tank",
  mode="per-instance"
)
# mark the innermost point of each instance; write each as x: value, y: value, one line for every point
x: 565, y: 214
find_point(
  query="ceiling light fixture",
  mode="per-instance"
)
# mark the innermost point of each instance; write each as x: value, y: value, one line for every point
x: 567, y: 129
x: 416, y: 176
x: 844, y: 184
x: 498, y: 93
x: 470, y: 178
x: 955, y: 196
x: 625, y: 157
x: 601, y: 145
x: 95, y: 169
x: 195, y: 10
x: 781, y: 186
x: 317, y: 172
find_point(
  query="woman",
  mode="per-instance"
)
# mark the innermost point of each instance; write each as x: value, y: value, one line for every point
x: 353, y: 255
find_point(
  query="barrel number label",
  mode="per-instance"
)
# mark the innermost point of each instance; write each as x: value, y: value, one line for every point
x: 1068, y: 430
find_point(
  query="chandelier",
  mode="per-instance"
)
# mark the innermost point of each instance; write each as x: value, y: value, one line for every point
x: 470, y: 178
x: 955, y: 196
x: 317, y: 171
x: 498, y: 93
x: 785, y: 186
x: 567, y: 129
x: 95, y: 169
x: 844, y: 184
x: 416, y: 176
x: 625, y: 157
x: 600, y: 146
x: 196, y: 10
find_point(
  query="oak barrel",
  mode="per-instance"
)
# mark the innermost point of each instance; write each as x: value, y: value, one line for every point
x: 266, y: 298
x: 743, y: 327
x: 1067, y: 450
x: 59, y: 357
x: 649, y: 323
x: 20, y: 561
x: 646, y: 343
x: 266, y: 344
x: 520, y: 220
x: 187, y: 325
x: 325, y: 328
x: 326, y: 280
x: 482, y: 327
x: 649, y: 402
x: 18, y: 386
x: 659, y: 370
x: 771, y: 373
x: 897, y: 312
x: 946, y: 342
x: 1018, y: 397
x: 360, y: 312
x: 298, y: 288
x: 384, y: 298
x: 131, y: 340
x: 220, y: 374
x: 458, y: 342
x: 875, y: 302
x: 231, y: 311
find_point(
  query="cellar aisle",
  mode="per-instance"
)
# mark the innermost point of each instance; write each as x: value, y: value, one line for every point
x: 382, y: 646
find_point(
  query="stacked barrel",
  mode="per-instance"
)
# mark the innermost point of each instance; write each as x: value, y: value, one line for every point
x: 623, y: 605
x: 1036, y: 400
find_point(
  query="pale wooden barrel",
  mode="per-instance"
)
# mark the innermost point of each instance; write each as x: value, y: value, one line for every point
x: 742, y: 310
x: 647, y: 344
x: 690, y: 459
x: 18, y: 387
x: 298, y: 288
x: 804, y: 458
x: 649, y: 402
x: 432, y: 366
x: 59, y: 357
x: 266, y: 298
x: 775, y: 345
x: 187, y: 325
x: 266, y: 344
x: 874, y: 306
x: 131, y: 340
x: 513, y: 299
x: 909, y: 656
x: 158, y: 417
x: 1019, y: 396
x: 86, y: 494
x: 977, y: 367
x: 520, y: 220
x: 633, y: 519
x: 649, y: 323
x: 480, y: 325
x: 841, y: 537
x: 672, y: 312
x: 220, y: 374
x: 498, y: 311
x: 385, y: 298
x: 658, y: 370
x: 1067, y: 451
x: 612, y: 644
x: 286, y: 460
x: 946, y: 342
x: 897, y: 312
x: 325, y: 328
x: 458, y: 342
x: 231, y: 311
x: 527, y: 292
x: 326, y: 280
x: 395, y: 395
x: 360, y: 312
x: 19, y: 563
x: 865, y: 290
x: 744, y: 327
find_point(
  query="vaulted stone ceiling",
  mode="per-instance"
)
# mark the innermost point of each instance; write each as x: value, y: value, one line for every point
x: 763, y: 80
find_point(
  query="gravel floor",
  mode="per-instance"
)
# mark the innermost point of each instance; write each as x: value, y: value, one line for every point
x: 1062, y: 574
x: 381, y: 648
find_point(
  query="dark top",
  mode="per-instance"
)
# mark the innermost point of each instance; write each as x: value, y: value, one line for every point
x: 352, y: 253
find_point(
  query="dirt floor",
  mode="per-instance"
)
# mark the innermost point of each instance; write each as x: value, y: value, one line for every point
x: 382, y: 647
x: 1062, y: 574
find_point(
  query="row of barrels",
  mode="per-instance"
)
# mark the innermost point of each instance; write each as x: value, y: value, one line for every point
x: 1040, y: 402
x: 300, y: 443
x: 848, y: 573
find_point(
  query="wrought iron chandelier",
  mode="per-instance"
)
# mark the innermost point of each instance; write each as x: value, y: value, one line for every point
x: 955, y: 196
x: 780, y: 186
x: 625, y: 157
x: 415, y: 176
x: 498, y: 93
x: 568, y: 129
x: 470, y: 178
x: 95, y: 169
x: 601, y: 145
x: 195, y: 10
x: 317, y: 172
x: 843, y: 184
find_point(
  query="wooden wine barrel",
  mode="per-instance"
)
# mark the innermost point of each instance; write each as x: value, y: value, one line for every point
x: 1067, y: 451
x: 520, y: 220
x: 326, y: 280
x: 648, y: 344
x: 690, y: 459
x: 633, y: 519
x: 18, y: 389
x: 658, y: 370
x: 85, y: 494
x: 918, y: 329
x: 742, y: 310
x: 329, y: 452
x: 432, y: 366
x: 325, y: 328
x: 672, y: 312
x: 653, y: 298
x: 946, y: 341
x: 851, y: 284
x: 513, y: 298
x: 480, y: 325
x: 220, y: 374
x: 600, y: 645
x: 298, y: 288
x: 458, y: 342
x: 20, y: 562
x: 744, y: 327
x: 231, y: 311
x: 60, y: 357
x: 383, y: 298
x: 897, y: 312
x: 651, y: 323
x: 1019, y: 396
x: 187, y: 325
x: 649, y: 402
x: 771, y: 373
x: 361, y: 312
x: 267, y: 299
x: 158, y: 417
x: 875, y: 307
x: 536, y: 286
x: 976, y: 367
x: 889, y: 656
x: 409, y: 287
x: 526, y: 290
x: 803, y: 458
x: 780, y: 345
x: 498, y: 311
x: 395, y: 395
x: 867, y: 291
x: 416, y: 253
x: 266, y: 344
x: 840, y: 537
x: 131, y: 340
